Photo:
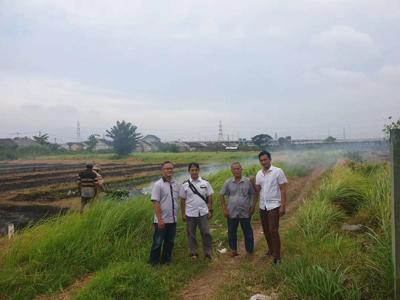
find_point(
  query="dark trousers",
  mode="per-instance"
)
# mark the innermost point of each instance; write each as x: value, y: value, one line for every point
x: 202, y: 223
x: 270, y: 225
x: 245, y: 224
x: 162, y: 238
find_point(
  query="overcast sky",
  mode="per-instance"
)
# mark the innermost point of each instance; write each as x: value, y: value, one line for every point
x: 304, y: 68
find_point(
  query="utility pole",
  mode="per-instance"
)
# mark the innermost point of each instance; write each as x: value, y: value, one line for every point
x: 395, y: 170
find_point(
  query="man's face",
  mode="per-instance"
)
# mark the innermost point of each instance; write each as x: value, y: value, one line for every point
x: 236, y: 170
x: 194, y: 172
x: 168, y: 170
x: 265, y: 161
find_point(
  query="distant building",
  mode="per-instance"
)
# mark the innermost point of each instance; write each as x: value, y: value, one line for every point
x: 73, y: 146
x: 8, y: 144
x: 103, y: 144
x: 25, y: 142
x: 149, y: 143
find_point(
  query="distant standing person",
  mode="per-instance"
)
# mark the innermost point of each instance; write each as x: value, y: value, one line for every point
x: 87, y: 181
x: 164, y: 195
x: 241, y: 204
x: 100, y: 180
x: 196, y: 204
x: 270, y: 183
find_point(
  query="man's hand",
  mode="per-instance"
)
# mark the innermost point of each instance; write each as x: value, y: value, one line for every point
x: 251, y: 210
x: 161, y: 224
x: 226, y: 213
x: 282, y: 210
x: 210, y: 214
x: 183, y: 217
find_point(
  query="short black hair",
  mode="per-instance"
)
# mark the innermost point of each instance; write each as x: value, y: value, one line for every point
x: 193, y: 164
x: 166, y: 162
x: 264, y: 152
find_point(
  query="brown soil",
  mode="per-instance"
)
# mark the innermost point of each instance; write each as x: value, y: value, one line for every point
x: 50, y: 181
x: 224, y: 268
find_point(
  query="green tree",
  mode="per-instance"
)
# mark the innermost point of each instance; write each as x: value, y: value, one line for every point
x: 41, y: 139
x: 390, y: 126
x: 261, y: 140
x: 91, y: 141
x: 330, y: 140
x: 124, y: 137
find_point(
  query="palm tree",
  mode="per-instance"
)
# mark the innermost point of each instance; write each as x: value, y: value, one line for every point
x: 124, y: 137
x: 41, y: 138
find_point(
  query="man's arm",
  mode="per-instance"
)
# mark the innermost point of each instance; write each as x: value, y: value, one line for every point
x: 223, y: 206
x: 183, y: 209
x: 157, y: 210
x: 256, y: 187
x: 253, y: 206
x: 209, y: 204
x: 282, y: 209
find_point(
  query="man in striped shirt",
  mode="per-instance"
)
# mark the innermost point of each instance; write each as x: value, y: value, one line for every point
x: 87, y: 181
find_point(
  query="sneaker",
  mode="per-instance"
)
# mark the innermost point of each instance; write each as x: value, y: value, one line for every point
x: 277, y: 262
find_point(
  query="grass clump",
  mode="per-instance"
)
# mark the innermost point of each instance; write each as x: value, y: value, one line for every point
x: 133, y: 280
x: 316, y: 218
x: 47, y: 257
x: 313, y: 281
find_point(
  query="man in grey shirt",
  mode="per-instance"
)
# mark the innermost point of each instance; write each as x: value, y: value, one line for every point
x: 164, y: 195
x: 241, y: 204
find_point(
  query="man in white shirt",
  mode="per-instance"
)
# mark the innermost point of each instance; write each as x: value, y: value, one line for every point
x: 196, y: 204
x: 270, y: 183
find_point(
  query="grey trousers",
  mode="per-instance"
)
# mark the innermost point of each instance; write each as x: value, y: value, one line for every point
x: 191, y: 225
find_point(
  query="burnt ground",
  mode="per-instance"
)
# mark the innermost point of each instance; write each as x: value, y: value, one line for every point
x: 32, y: 191
x: 22, y: 216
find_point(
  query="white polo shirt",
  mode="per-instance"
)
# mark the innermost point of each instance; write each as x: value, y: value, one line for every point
x: 195, y: 206
x: 270, y: 194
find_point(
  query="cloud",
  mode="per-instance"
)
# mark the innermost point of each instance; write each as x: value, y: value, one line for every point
x: 344, y: 42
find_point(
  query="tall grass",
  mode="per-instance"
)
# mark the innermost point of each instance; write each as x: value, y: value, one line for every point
x: 313, y: 281
x: 348, y: 194
x: 50, y: 256
x: 317, y: 217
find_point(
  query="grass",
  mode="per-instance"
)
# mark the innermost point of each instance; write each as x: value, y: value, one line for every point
x: 320, y: 261
x: 47, y: 257
x: 111, y: 241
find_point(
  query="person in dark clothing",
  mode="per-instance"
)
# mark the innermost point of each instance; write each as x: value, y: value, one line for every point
x: 87, y: 181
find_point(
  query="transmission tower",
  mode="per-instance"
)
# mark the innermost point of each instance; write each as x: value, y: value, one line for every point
x: 220, y: 133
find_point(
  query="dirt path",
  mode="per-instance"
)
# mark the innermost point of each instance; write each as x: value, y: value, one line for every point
x: 207, y: 285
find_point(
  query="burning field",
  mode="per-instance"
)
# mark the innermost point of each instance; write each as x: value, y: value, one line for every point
x: 33, y: 190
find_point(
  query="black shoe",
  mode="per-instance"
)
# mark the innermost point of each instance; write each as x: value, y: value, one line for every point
x: 208, y: 257
x: 277, y: 262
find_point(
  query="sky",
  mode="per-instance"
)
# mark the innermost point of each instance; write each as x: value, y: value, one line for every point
x: 304, y: 68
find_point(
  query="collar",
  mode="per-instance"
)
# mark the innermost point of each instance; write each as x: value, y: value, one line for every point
x: 271, y: 168
x: 241, y: 179
x: 197, y: 180
x: 165, y: 180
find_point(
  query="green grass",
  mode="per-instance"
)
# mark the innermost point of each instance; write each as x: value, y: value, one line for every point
x: 110, y: 242
x: 47, y: 257
x: 320, y: 261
